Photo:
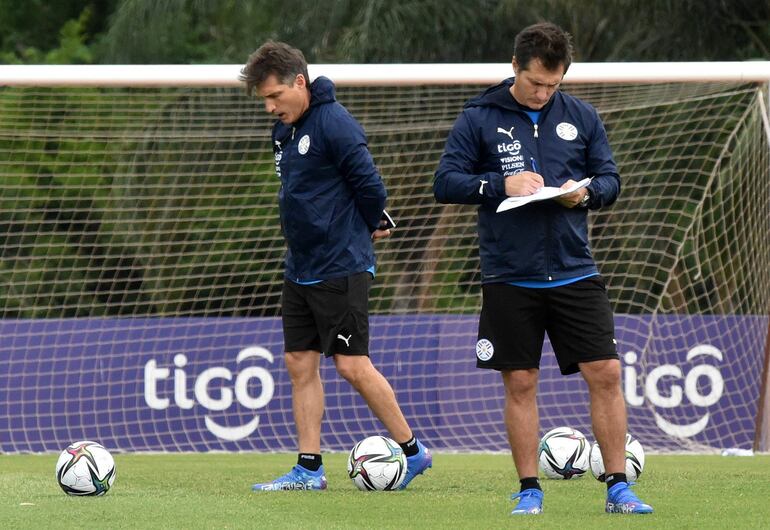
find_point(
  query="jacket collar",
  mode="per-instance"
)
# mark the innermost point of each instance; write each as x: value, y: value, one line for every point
x: 500, y: 96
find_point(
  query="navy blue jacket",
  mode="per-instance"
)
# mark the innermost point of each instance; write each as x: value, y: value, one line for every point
x: 493, y: 138
x: 331, y: 197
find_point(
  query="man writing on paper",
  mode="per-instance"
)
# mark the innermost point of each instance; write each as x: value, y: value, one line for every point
x: 538, y: 274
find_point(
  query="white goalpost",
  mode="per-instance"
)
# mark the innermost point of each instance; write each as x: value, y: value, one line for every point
x: 378, y: 75
x: 142, y: 259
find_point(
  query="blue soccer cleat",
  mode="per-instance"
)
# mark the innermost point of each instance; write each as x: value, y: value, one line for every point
x: 530, y: 502
x: 417, y: 464
x: 298, y: 478
x: 620, y: 499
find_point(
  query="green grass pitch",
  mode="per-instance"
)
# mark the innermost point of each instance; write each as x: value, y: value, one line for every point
x: 188, y: 491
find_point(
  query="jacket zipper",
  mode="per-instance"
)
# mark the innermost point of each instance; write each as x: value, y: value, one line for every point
x: 548, y: 219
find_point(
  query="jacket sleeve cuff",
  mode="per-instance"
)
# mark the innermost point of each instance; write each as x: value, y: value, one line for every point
x: 495, y: 187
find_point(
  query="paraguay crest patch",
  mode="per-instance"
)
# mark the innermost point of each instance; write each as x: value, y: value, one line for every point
x: 484, y: 350
x: 304, y: 145
x: 566, y: 131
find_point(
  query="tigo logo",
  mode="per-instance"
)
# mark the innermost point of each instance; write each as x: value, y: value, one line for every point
x: 699, y: 378
x: 154, y: 374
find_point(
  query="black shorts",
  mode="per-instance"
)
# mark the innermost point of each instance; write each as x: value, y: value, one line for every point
x: 330, y: 317
x: 577, y: 317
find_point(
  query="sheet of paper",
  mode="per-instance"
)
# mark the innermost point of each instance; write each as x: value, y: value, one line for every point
x: 544, y: 193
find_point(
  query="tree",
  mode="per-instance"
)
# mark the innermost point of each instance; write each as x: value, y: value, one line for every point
x: 39, y: 31
x: 226, y: 31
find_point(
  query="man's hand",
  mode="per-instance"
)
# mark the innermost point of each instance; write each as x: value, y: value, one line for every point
x: 524, y: 183
x: 571, y: 199
x: 380, y: 234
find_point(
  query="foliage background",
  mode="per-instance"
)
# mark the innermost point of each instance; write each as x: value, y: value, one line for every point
x: 333, y: 31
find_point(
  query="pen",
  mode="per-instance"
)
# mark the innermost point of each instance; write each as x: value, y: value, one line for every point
x: 534, y: 165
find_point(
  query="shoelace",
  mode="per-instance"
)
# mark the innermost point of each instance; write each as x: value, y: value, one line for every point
x: 626, y: 495
x: 528, y: 500
x: 524, y: 495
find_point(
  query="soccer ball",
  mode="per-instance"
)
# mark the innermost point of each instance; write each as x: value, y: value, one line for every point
x: 377, y: 463
x: 634, y: 460
x: 563, y: 453
x: 85, y: 468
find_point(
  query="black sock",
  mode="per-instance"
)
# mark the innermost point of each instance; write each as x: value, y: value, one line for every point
x: 410, y: 447
x: 613, y: 479
x: 530, y: 483
x: 310, y: 461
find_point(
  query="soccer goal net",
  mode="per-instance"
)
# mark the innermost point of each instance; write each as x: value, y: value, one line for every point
x: 142, y: 255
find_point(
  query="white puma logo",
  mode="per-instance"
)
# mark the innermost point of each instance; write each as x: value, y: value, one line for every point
x: 508, y: 133
x: 481, y: 188
x: 347, y: 340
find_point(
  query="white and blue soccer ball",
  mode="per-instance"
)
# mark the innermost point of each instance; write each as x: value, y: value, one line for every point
x: 634, y: 460
x: 563, y: 453
x: 377, y: 463
x: 85, y: 468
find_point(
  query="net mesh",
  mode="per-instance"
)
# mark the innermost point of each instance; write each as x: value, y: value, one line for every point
x: 145, y: 207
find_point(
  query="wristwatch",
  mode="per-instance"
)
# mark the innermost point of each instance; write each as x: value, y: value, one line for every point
x: 585, y: 200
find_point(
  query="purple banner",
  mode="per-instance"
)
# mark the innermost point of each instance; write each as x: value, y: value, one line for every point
x: 186, y: 384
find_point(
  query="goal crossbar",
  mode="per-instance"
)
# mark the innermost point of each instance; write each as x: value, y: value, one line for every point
x: 209, y: 75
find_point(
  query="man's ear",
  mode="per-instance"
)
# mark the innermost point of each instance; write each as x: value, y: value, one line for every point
x: 515, y: 64
x: 300, y: 81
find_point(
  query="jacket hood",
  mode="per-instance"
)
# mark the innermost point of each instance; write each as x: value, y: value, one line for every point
x: 500, y: 96
x: 322, y: 91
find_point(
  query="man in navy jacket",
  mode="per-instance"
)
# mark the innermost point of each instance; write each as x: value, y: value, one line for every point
x: 331, y: 203
x: 538, y: 274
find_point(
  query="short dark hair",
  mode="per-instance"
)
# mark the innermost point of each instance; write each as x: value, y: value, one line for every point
x: 273, y: 58
x: 544, y: 41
